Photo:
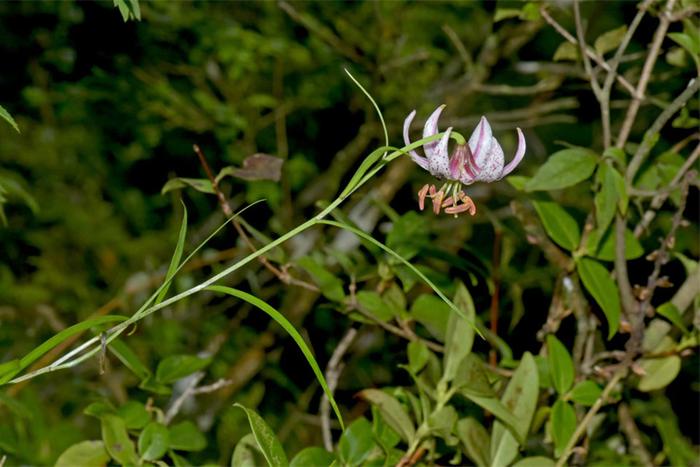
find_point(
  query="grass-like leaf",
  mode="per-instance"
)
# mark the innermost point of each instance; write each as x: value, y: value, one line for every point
x: 415, y: 270
x: 279, y: 317
x: 177, y: 256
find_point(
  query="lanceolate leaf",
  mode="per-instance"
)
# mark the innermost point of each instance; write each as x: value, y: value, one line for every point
x: 5, y: 115
x: 561, y: 366
x: 267, y: 440
x: 520, y: 398
x: 563, y: 169
x: 597, y: 280
x: 460, y: 334
x: 560, y: 226
x: 563, y: 425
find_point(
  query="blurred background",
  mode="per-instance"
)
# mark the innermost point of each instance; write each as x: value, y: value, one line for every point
x: 109, y: 111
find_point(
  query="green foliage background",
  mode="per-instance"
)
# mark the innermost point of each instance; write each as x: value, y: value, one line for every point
x: 109, y: 110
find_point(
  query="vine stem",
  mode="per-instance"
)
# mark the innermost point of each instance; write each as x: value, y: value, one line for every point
x: 581, y: 428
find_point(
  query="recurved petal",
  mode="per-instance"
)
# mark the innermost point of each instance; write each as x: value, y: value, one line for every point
x: 492, y: 165
x: 519, y: 154
x: 479, y: 141
x: 421, y: 161
x: 438, y: 158
x: 430, y: 129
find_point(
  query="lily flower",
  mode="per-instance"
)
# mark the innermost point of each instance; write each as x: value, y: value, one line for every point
x: 480, y: 160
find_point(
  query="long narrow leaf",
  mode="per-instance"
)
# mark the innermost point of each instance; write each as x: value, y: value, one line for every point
x: 430, y: 283
x: 55, y: 340
x: 279, y: 317
x: 177, y: 256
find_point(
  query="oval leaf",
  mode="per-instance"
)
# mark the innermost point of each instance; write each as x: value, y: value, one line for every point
x: 87, y: 453
x: 153, y: 441
x: 116, y: 440
x: 357, y: 442
x: 475, y: 439
x: 312, y: 456
x: 186, y: 437
x: 563, y: 419
x: 563, y: 169
x: 172, y: 368
x: 585, y: 393
x: 460, y: 333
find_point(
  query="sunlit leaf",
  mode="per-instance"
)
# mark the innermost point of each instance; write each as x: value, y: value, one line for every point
x: 563, y: 425
x: 610, y: 40
x: 153, y: 441
x: 85, y: 453
x: 356, y: 443
x: 116, y: 440
x: 475, y: 439
x: 392, y: 411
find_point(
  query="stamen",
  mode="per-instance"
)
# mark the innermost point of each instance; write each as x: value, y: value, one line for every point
x: 437, y: 201
x: 422, y: 193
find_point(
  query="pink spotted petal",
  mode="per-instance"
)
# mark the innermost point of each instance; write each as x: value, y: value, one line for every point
x: 519, y: 154
x: 421, y: 161
x: 492, y: 167
x: 439, y: 160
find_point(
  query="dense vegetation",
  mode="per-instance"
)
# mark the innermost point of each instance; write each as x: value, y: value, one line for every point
x: 558, y: 325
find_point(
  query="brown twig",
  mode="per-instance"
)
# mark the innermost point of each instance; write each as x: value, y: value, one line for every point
x: 632, y: 432
x: 286, y: 278
x: 663, y: 195
x: 588, y: 418
x: 589, y: 52
x: 661, y: 257
x: 333, y: 371
x: 650, y: 135
x: 647, y: 69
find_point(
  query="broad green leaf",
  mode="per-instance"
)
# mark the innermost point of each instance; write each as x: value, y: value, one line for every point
x: 409, y: 233
x: 669, y: 311
x: 566, y: 51
x: 384, y: 435
x: 130, y: 360
x: 563, y: 419
x: 177, y: 256
x: 518, y: 181
x: 185, y: 436
x: 559, y: 225
x: 536, y: 461
x: 312, y: 456
x: 520, y: 398
x: 356, y: 443
x: 442, y: 421
x: 244, y: 452
x: 291, y: 330
x: 202, y: 185
x: 331, y: 286
x: 500, y: 411
x: 475, y: 439
x: 432, y: 313
x: 116, y: 440
x: 597, y: 280
x: 418, y: 354
x: 471, y: 378
x: 611, y: 195
x: 392, y: 411
x: 603, y: 246
x: 609, y: 41
x: 373, y: 304
x: 563, y: 169
x: 99, y: 409
x: 585, y: 393
x: 84, y: 453
x: 174, y: 367
x: 460, y: 334
x: 267, y: 440
x: 153, y: 441
x: 134, y: 414
x: 561, y: 366
x: 659, y: 372
x: 687, y: 41
x: 5, y: 115
x: 53, y: 341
